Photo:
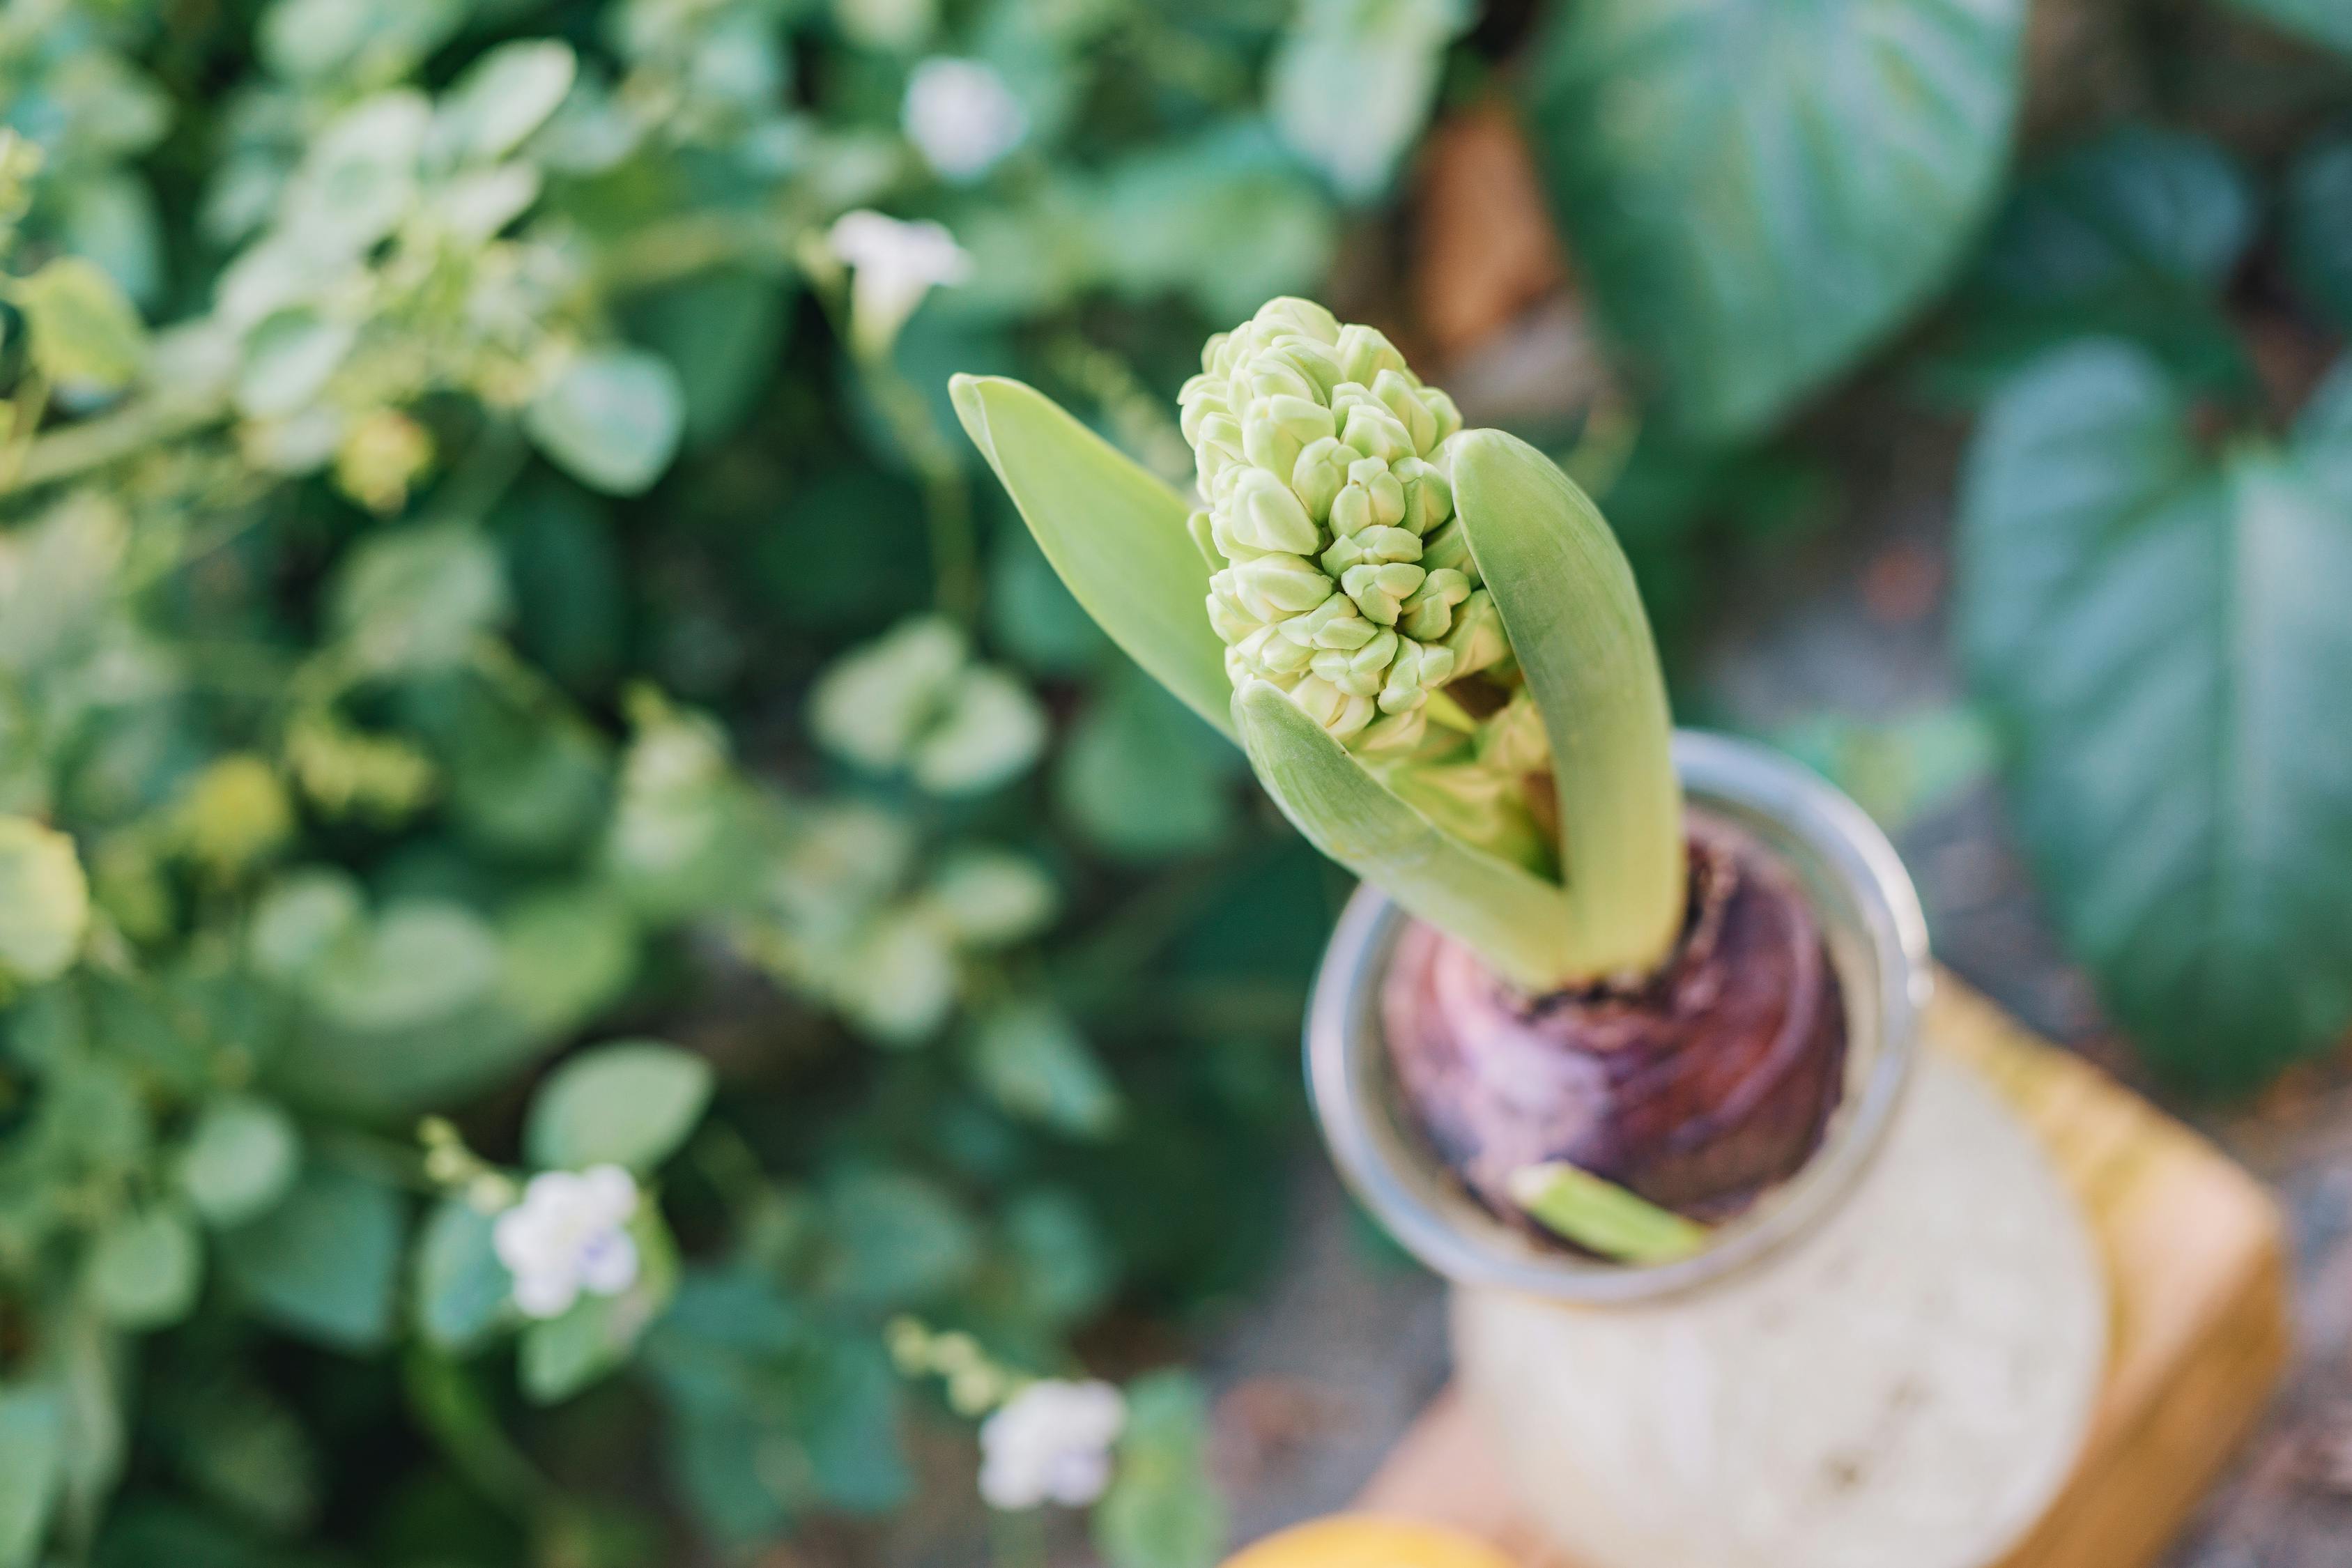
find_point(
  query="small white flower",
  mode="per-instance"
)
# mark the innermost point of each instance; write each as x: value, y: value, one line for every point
x: 567, y: 1236
x: 893, y: 265
x: 1050, y: 1442
x: 961, y: 117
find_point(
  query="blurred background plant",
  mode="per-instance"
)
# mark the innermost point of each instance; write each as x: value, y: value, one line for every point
x: 505, y: 670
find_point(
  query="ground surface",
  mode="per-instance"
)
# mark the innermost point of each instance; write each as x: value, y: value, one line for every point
x: 1320, y: 1377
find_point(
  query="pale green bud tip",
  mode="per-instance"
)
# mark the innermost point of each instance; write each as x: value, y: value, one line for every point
x: 1339, y: 573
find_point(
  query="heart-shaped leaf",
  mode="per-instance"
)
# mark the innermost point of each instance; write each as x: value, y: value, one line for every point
x: 2131, y: 235
x: 2163, y: 635
x: 1115, y: 533
x: 1575, y: 620
x: 1759, y: 189
x: 1519, y: 924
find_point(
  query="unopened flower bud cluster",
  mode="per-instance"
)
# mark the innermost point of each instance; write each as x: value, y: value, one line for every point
x: 1341, y: 574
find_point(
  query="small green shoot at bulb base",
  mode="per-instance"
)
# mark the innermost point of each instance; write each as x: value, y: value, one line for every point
x: 1602, y: 1217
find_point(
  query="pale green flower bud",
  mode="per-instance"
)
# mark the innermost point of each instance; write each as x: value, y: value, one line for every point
x: 1417, y: 670
x: 1272, y: 654
x: 1289, y: 314
x: 1261, y: 514
x: 1477, y: 641
x: 1449, y: 547
x: 1204, y: 538
x: 1275, y: 375
x: 1403, y: 400
x: 1200, y: 396
x: 1394, y: 732
x: 1374, y: 545
x: 1279, y: 428
x: 1428, y: 495
x: 1512, y: 739
x: 1321, y: 473
x: 1429, y: 614
x: 1374, y: 498
x: 1272, y: 586
x: 1232, y: 622
x: 1217, y: 449
x: 1449, y: 419
x: 1334, y: 623
x: 1333, y: 709
x: 1380, y: 592
x: 1372, y: 430
x: 1364, y: 352
x: 1361, y: 673
x: 1313, y: 360
x: 1339, y: 572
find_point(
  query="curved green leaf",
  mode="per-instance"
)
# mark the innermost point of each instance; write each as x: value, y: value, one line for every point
x: 1759, y: 189
x: 1518, y: 923
x: 1574, y: 617
x: 1115, y: 533
x: 2163, y: 635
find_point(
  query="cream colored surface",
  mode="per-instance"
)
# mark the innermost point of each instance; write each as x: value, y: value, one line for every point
x: 1911, y: 1384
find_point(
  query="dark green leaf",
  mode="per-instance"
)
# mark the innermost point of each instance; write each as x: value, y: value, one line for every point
x: 31, y: 1442
x: 84, y: 333
x: 324, y: 1264
x: 629, y: 1103
x: 239, y: 1159
x: 1760, y: 191
x: 2162, y: 635
x: 2319, y: 228
x: 143, y: 1269
x: 2136, y: 234
x: 1162, y: 1510
x: 461, y: 1287
x: 1141, y: 777
x: 1032, y: 1060
x: 611, y: 419
x: 563, y: 1355
x: 902, y: 1239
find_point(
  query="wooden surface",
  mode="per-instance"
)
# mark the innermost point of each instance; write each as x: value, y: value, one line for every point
x: 2198, y: 1269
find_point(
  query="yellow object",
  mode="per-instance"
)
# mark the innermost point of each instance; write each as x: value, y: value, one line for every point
x: 1368, y: 1540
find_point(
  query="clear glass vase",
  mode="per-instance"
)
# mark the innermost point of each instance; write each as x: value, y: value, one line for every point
x: 1891, y: 1359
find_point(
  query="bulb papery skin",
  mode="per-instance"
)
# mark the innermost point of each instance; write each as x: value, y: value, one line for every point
x: 1340, y: 574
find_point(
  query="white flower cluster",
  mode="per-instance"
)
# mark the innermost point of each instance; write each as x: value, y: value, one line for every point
x: 1342, y: 576
x: 568, y: 1235
x: 1050, y: 1442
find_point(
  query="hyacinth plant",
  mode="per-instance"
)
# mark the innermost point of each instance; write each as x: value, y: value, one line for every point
x: 1431, y: 646
x: 1425, y: 636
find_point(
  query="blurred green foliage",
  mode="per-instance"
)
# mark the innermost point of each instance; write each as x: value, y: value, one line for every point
x: 382, y: 635
x: 497, y: 627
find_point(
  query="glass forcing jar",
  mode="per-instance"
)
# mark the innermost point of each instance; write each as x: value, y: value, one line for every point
x: 1890, y: 1359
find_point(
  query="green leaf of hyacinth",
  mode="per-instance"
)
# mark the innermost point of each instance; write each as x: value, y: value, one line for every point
x: 1518, y: 923
x: 1574, y: 617
x: 1115, y: 533
x: 1602, y: 1216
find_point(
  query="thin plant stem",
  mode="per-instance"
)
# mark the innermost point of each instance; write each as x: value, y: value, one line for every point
x: 947, y: 497
x: 92, y: 444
